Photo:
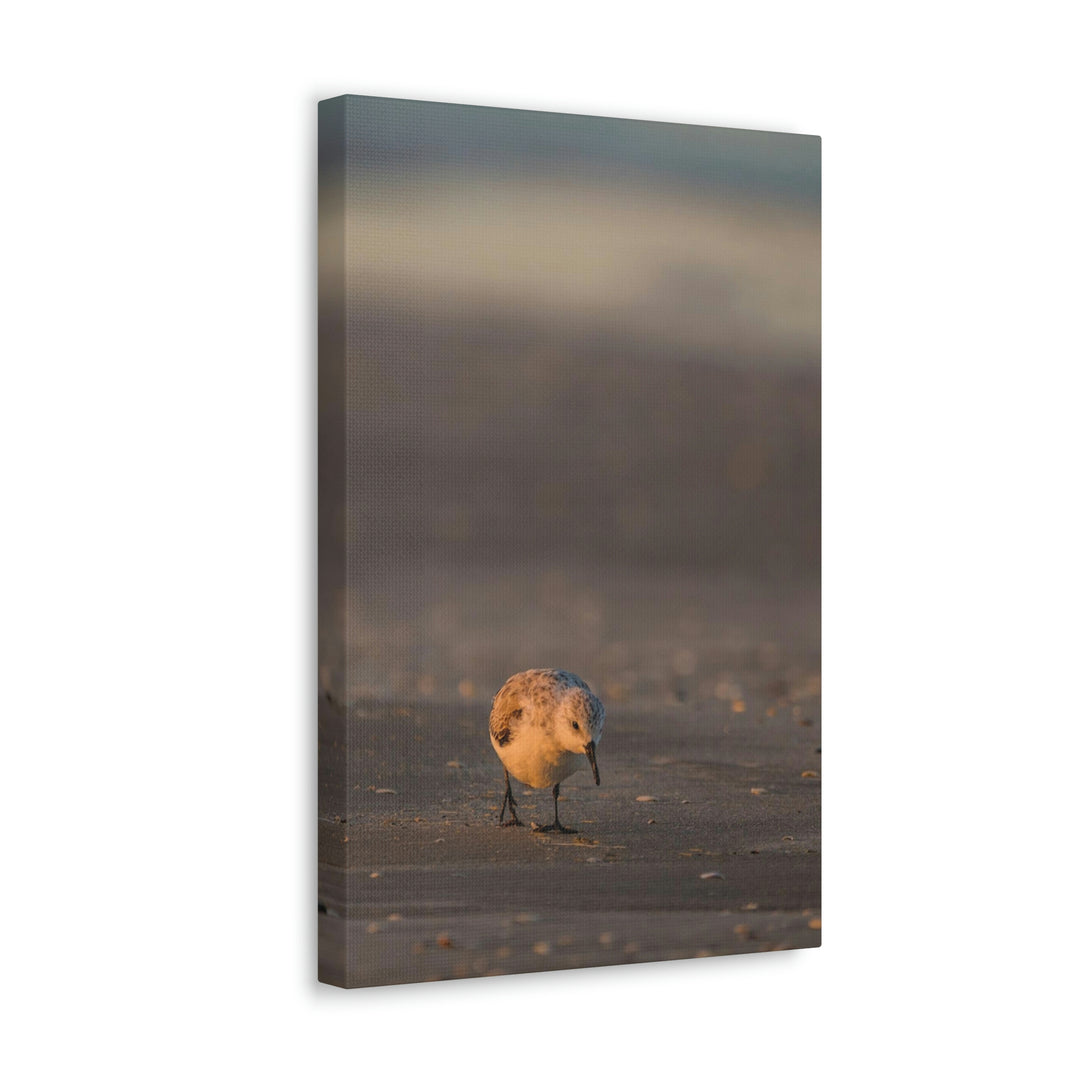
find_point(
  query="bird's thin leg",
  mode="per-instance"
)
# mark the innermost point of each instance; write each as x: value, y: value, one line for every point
x: 508, y: 800
x: 557, y: 826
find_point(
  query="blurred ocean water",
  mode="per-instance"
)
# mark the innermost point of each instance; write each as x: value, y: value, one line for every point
x: 581, y: 407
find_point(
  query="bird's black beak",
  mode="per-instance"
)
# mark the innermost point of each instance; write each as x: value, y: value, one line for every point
x: 590, y: 753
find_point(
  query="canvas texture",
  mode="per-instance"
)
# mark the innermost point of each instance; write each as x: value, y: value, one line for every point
x: 569, y: 541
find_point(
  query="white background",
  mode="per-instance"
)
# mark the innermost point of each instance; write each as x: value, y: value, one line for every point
x: 157, y: 435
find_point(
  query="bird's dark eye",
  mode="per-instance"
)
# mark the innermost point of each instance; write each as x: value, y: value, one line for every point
x: 576, y: 728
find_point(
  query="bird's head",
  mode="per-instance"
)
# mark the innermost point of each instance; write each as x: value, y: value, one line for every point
x: 580, y: 725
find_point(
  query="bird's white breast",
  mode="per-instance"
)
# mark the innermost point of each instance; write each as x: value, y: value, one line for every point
x: 532, y: 757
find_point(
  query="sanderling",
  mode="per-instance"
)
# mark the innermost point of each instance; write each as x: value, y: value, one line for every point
x: 543, y: 723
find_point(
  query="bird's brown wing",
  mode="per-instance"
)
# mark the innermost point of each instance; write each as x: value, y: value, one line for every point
x: 505, y: 710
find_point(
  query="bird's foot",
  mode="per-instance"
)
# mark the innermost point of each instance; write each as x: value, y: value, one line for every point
x: 509, y: 824
x: 555, y: 827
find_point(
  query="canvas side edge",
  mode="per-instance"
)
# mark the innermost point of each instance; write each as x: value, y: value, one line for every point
x: 331, y: 512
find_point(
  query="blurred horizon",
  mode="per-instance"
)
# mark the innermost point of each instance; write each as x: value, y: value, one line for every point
x: 582, y: 402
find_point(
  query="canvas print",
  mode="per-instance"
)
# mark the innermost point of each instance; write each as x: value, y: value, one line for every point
x: 569, y: 707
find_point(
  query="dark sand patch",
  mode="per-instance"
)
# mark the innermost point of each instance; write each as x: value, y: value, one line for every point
x: 417, y: 882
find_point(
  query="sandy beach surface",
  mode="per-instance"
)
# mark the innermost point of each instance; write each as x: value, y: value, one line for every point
x: 703, y: 839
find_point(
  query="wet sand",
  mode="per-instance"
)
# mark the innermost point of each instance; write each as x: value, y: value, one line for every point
x: 417, y: 882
